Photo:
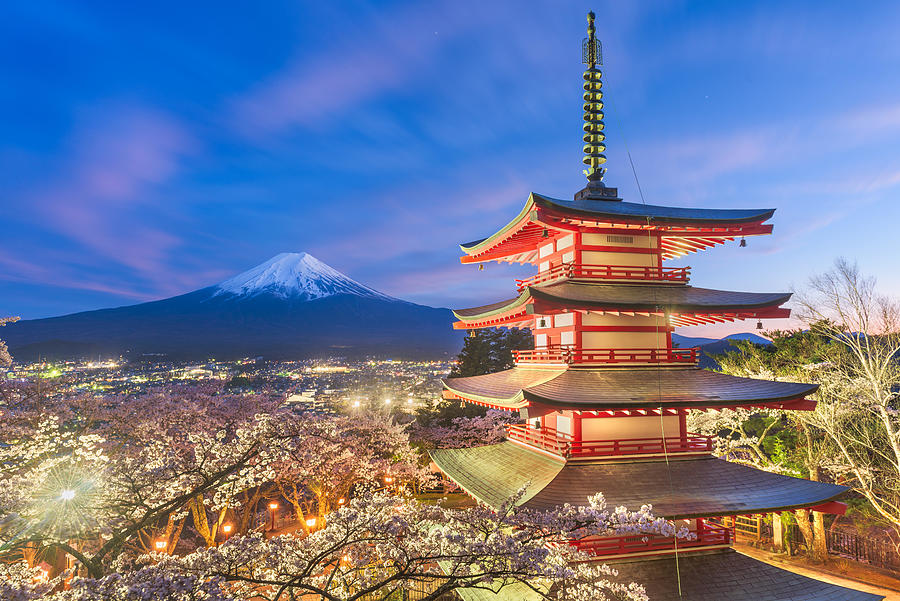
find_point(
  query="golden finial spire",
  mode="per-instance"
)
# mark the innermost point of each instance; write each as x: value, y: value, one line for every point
x: 594, y: 138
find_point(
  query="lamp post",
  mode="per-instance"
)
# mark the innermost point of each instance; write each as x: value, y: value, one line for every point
x: 160, y: 545
x: 311, y: 523
x: 273, y: 506
x: 226, y: 529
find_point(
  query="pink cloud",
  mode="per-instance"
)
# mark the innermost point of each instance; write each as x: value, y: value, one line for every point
x: 18, y: 270
x: 98, y: 198
x: 366, y: 63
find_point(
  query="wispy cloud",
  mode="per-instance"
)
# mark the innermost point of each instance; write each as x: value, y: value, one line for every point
x: 101, y: 194
x: 373, y: 56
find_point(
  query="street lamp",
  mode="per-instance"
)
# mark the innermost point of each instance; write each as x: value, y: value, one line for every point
x: 341, y: 501
x: 161, y: 545
x: 311, y: 522
x: 226, y: 528
x: 272, y: 507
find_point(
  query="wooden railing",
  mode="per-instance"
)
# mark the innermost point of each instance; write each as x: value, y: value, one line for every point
x: 706, y: 536
x: 565, y: 445
x: 556, y: 354
x: 543, y: 438
x: 691, y: 443
x: 575, y: 271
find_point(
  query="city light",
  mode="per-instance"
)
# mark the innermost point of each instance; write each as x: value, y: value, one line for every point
x: 341, y: 501
x: 161, y: 545
x: 227, y: 528
x: 388, y: 480
x: 311, y: 522
x: 67, y: 495
x: 273, y: 506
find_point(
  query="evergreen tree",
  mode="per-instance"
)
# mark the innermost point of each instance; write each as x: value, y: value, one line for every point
x: 489, y: 350
x: 485, y: 351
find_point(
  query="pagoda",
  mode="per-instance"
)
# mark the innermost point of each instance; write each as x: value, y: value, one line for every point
x: 605, y: 394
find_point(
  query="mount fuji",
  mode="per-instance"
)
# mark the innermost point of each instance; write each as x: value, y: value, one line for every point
x: 295, y: 276
x: 291, y: 306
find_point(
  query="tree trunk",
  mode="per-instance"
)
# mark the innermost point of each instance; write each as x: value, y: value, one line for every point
x: 806, y: 530
x: 820, y: 543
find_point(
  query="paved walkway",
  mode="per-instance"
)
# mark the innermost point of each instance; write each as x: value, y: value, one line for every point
x: 890, y: 594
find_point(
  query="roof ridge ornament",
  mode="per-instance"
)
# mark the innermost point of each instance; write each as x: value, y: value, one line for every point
x: 594, y: 136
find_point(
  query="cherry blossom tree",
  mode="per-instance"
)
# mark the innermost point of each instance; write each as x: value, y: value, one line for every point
x: 857, y: 408
x: 464, y: 431
x: 5, y: 358
x: 110, y: 474
x: 326, y: 457
x: 381, y: 545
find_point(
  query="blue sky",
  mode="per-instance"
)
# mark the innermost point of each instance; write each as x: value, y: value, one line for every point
x: 149, y: 150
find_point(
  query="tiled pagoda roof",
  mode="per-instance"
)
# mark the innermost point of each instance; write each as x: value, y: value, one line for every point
x: 631, y: 297
x: 704, y: 576
x: 622, y: 388
x: 728, y: 576
x: 680, y: 488
x: 616, y: 212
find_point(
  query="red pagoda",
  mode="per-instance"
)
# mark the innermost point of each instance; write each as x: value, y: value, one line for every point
x: 605, y: 394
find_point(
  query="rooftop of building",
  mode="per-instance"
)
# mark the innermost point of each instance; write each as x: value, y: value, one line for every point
x: 622, y: 388
x: 677, y: 488
x: 630, y: 297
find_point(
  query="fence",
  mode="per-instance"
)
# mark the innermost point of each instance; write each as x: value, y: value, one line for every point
x: 753, y: 526
x: 877, y: 553
x: 871, y: 551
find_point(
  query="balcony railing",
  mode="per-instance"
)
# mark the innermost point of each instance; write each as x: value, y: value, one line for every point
x: 565, y: 445
x: 683, y: 356
x: 548, y: 439
x: 706, y: 536
x: 576, y: 271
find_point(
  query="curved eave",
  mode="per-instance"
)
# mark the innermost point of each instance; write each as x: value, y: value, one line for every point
x: 494, y: 309
x: 503, y: 391
x: 612, y: 388
x: 629, y: 212
x: 680, y: 488
x: 702, y: 228
x: 624, y: 298
x: 672, y: 299
x: 517, y: 223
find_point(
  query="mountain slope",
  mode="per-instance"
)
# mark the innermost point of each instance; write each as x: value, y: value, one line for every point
x: 291, y: 306
x: 297, y: 276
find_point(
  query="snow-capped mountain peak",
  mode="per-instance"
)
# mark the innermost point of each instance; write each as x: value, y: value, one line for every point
x: 298, y: 276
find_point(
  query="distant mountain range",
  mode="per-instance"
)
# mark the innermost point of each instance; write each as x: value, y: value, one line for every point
x: 712, y: 346
x: 291, y: 306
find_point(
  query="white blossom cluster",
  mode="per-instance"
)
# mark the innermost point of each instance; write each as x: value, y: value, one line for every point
x: 464, y: 432
x: 382, y: 543
x: 100, y: 478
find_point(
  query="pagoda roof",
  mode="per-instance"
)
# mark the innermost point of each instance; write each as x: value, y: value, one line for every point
x: 624, y: 297
x: 727, y: 575
x: 723, y: 575
x: 612, y: 388
x: 526, y: 229
x: 678, y: 488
